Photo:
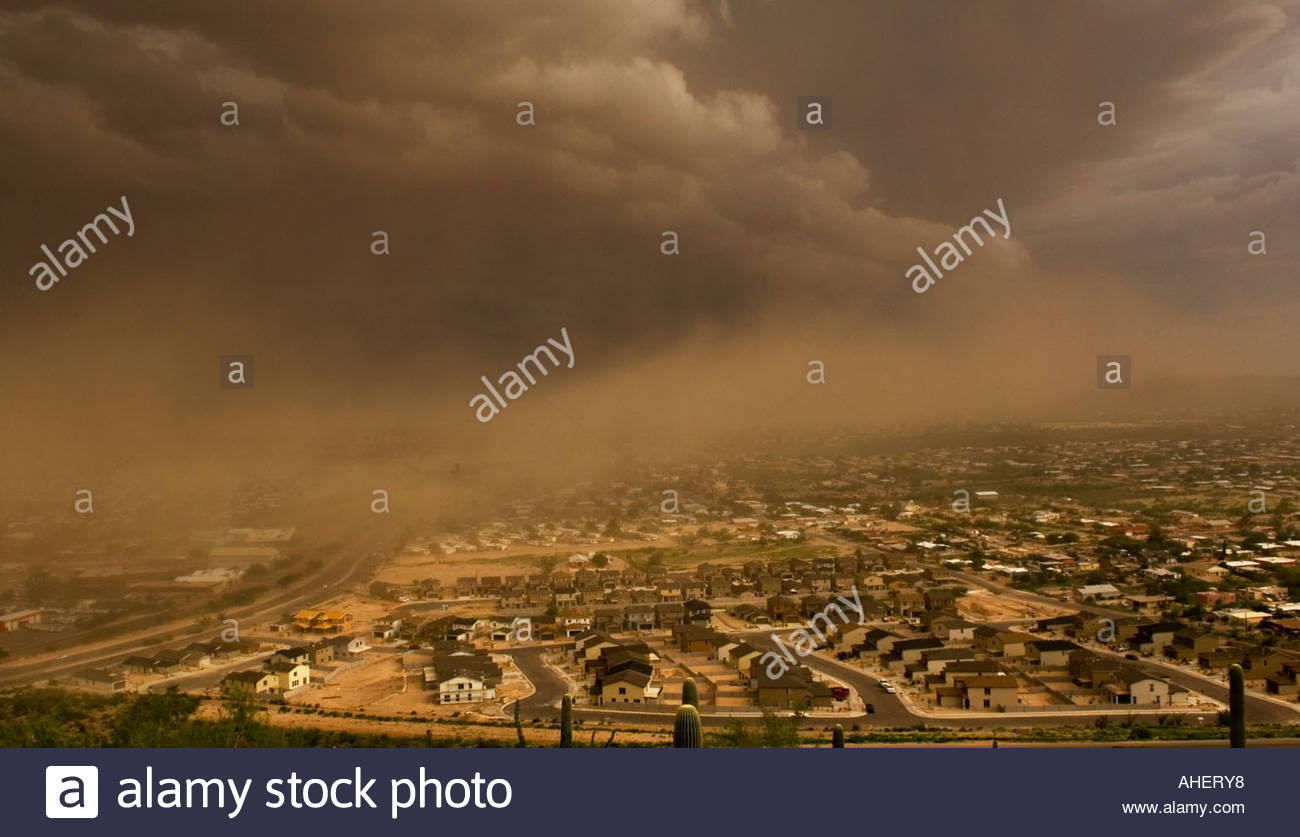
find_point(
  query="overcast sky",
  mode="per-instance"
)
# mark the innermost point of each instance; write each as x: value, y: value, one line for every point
x: 651, y: 115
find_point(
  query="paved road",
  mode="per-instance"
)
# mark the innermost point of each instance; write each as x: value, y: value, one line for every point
x: 890, y: 711
x: 1258, y: 709
x: 549, y: 686
x: 345, y: 574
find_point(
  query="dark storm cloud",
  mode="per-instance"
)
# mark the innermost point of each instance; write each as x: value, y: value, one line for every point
x: 651, y: 116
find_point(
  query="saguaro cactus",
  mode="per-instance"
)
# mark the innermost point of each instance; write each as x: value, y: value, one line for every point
x: 837, y: 737
x: 690, y: 693
x: 687, y: 731
x: 1236, y: 706
x: 566, y: 722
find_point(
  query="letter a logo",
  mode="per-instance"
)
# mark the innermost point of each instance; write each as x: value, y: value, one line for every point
x: 71, y: 793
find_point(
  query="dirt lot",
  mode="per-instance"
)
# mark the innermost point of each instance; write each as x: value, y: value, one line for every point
x: 517, y: 560
x: 980, y: 605
x: 376, y: 687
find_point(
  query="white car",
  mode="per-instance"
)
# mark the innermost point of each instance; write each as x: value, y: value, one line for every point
x: 888, y: 687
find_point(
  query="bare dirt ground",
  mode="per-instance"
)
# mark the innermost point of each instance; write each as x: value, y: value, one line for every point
x: 407, y: 568
x: 376, y: 687
x: 980, y: 605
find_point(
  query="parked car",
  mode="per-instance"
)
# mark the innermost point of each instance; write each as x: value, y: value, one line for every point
x: 1132, y: 657
x: 839, y: 693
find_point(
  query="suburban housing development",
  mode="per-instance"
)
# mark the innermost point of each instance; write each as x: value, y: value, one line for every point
x: 882, y: 592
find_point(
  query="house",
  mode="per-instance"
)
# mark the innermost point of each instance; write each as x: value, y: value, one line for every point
x: 297, y: 655
x: 952, y: 628
x: 794, y: 689
x: 204, y: 652
x: 386, y: 629
x: 98, y: 679
x: 1285, y: 683
x: 222, y: 650
x: 871, y: 584
x: 910, y: 650
x: 694, y: 637
x: 991, y: 692
x: 1217, y: 659
x: 751, y: 614
x: 621, y: 658
x: 461, y: 674
x: 320, y: 653
x: 513, y: 598
x: 138, y: 665
x: 1154, y: 638
x: 575, y: 625
x: 1089, y: 668
x: 669, y: 615
x: 940, y: 597
x: 720, y: 647
x: 1056, y: 625
x: 304, y: 619
x: 938, y: 659
x: 1097, y: 592
x: 1188, y: 645
x: 782, y: 609
x: 290, y: 675
x: 909, y: 605
x: 742, y: 656
x: 252, y: 682
x: 694, y: 588
x: 698, y: 612
x: 1129, y: 685
x: 589, y: 645
x: 15, y: 619
x: 1149, y: 605
x: 459, y: 683
x: 625, y: 686
x: 1006, y: 643
x: 170, y: 661
x: 817, y: 581
x: 639, y: 617
x: 957, y: 672
x: 671, y: 589
x: 333, y: 622
x: 1258, y: 663
x: 518, y: 628
x: 347, y: 647
x: 608, y: 619
x: 852, y: 634
x: 1050, y: 653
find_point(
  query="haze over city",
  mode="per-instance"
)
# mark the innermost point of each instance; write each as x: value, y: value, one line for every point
x: 523, y: 268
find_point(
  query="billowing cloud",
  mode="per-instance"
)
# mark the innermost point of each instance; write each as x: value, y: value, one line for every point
x: 650, y: 116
